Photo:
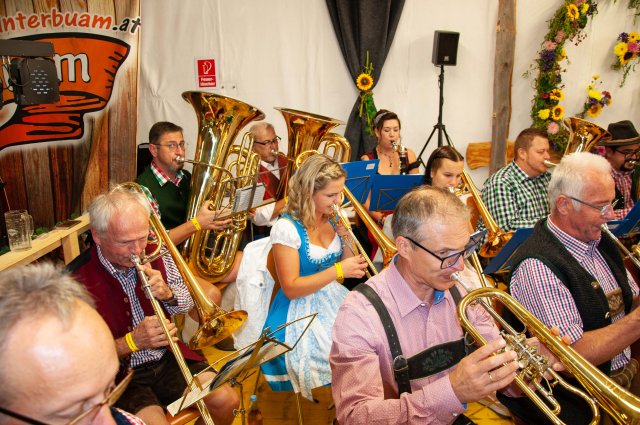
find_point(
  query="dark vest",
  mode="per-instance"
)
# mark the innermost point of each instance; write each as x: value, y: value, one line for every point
x: 111, y: 301
x: 172, y: 200
x: 589, y: 297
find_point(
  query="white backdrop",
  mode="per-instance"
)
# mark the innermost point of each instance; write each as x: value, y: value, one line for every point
x: 284, y: 53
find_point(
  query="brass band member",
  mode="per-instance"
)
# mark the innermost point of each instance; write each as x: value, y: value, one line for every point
x: 58, y: 363
x: 516, y: 195
x: 570, y: 275
x: 120, y: 227
x: 431, y: 229
x: 311, y: 264
x: 622, y: 153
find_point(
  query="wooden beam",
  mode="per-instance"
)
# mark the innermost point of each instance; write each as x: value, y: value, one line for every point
x: 502, y: 76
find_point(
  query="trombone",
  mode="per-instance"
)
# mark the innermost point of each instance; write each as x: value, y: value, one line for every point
x: 186, y: 373
x: 632, y: 256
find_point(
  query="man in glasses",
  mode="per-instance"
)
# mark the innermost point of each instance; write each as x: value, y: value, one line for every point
x: 571, y: 275
x: 622, y: 153
x: 436, y: 372
x: 272, y: 171
x: 58, y: 362
x: 120, y: 227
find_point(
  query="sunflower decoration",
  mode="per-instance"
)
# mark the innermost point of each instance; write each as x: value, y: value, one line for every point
x: 557, y: 113
x: 364, y: 83
x: 627, y: 53
x: 596, y: 99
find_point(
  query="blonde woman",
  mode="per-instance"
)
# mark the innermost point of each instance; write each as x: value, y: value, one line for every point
x: 311, y: 264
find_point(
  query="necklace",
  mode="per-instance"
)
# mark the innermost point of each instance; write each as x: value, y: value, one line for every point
x: 389, y: 156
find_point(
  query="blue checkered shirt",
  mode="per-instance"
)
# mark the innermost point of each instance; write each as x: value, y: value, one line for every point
x: 538, y: 289
x: 129, y: 279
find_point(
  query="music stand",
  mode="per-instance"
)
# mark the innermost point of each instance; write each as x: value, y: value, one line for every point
x: 439, y: 127
x: 502, y: 262
x: 238, y: 366
x: 360, y: 176
x: 629, y: 225
x: 387, y: 190
x: 242, y: 194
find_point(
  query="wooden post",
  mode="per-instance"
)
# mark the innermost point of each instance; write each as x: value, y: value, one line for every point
x: 502, y: 75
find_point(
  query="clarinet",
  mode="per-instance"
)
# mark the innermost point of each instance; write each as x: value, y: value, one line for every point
x: 402, y: 153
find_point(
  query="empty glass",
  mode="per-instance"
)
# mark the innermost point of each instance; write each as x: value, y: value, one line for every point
x: 19, y: 229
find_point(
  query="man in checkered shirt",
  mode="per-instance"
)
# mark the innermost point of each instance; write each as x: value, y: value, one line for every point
x: 516, y: 195
x: 571, y: 275
x: 622, y: 153
x: 120, y: 228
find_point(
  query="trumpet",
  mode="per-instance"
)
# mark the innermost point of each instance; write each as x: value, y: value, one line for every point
x: 534, y: 367
x: 186, y: 373
x: 632, y: 256
x: 354, y: 245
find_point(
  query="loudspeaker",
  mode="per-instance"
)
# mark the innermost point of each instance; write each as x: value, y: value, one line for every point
x: 445, y: 47
x: 34, y: 81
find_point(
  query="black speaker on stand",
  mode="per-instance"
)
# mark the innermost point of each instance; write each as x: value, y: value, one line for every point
x: 445, y: 52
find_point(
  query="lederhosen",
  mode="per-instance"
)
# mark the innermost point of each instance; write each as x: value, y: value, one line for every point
x: 429, y: 361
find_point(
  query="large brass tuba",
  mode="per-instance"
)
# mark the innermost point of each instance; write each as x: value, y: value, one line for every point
x: 619, y: 403
x: 212, y: 253
x: 583, y: 135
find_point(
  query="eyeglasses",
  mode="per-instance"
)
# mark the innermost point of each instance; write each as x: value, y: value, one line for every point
x: 452, y: 259
x: 172, y: 146
x: 628, y: 152
x: 87, y: 416
x: 273, y: 141
x: 604, y: 210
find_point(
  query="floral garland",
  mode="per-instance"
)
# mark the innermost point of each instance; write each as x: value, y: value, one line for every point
x: 627, y: 54
x: 364, y: 83
x: 567, y: 24
x: 596, y: 100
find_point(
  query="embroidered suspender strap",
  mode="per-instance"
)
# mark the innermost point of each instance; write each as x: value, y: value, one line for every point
x: 400, y: 365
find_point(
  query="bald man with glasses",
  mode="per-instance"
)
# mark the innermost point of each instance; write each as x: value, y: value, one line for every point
x: 571, y: 275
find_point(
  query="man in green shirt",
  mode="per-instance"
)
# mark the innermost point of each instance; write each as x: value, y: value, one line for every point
x: 516, y: 195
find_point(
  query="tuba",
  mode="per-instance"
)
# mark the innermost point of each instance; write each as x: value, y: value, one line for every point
x: 215, y: 323
x: 583, y: 135
x: 212, y: 253
x: 619, y: 403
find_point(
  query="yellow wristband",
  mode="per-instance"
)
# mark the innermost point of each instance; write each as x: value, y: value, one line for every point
x: 132, y: 345
x: 339, y: 272
x: 196, y: 223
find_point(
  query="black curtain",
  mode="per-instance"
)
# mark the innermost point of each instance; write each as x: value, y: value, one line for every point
x: 361, y: 26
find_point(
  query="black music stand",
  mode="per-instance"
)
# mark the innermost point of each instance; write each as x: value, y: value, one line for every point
x: 238, y: 366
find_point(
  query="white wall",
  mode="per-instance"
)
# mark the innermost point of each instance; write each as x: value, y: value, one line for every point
x: 284, y: 53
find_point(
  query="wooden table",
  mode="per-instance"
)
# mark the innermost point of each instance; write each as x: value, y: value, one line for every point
x: 65, y: 238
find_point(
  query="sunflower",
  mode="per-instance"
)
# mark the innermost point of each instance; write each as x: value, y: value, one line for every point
x: 543, y: 114
x: 620, y: 49
x: 364, y: 82
x: 634, y: 36
x: 594, y: 110
x: 585, y: 8
x: 572, y: 12
x: 556, y: 94
x: 557, y: 113
x: 595, y: 94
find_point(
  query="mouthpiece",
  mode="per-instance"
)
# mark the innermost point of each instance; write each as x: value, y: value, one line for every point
x: 549, y: 164
x: 180, y: 160
x: 274, y: 152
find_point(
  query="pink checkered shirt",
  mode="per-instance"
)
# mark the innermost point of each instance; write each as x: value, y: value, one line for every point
x: 363, y: 385
x: 541, y: 292
x: 623, y: 180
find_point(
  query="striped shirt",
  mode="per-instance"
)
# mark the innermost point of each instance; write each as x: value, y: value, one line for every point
x: 539, y: 290
x: 514, y: 199
x: 624, y: 181
x: 128, y: 279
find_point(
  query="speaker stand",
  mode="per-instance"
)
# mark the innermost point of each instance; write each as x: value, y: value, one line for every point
x: 439, y: 127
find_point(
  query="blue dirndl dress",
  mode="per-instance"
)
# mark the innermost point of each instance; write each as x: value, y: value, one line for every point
x: 307, y: 365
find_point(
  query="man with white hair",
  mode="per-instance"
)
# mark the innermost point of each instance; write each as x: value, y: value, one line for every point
x: 58, y: 360
x: 571, y: 275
